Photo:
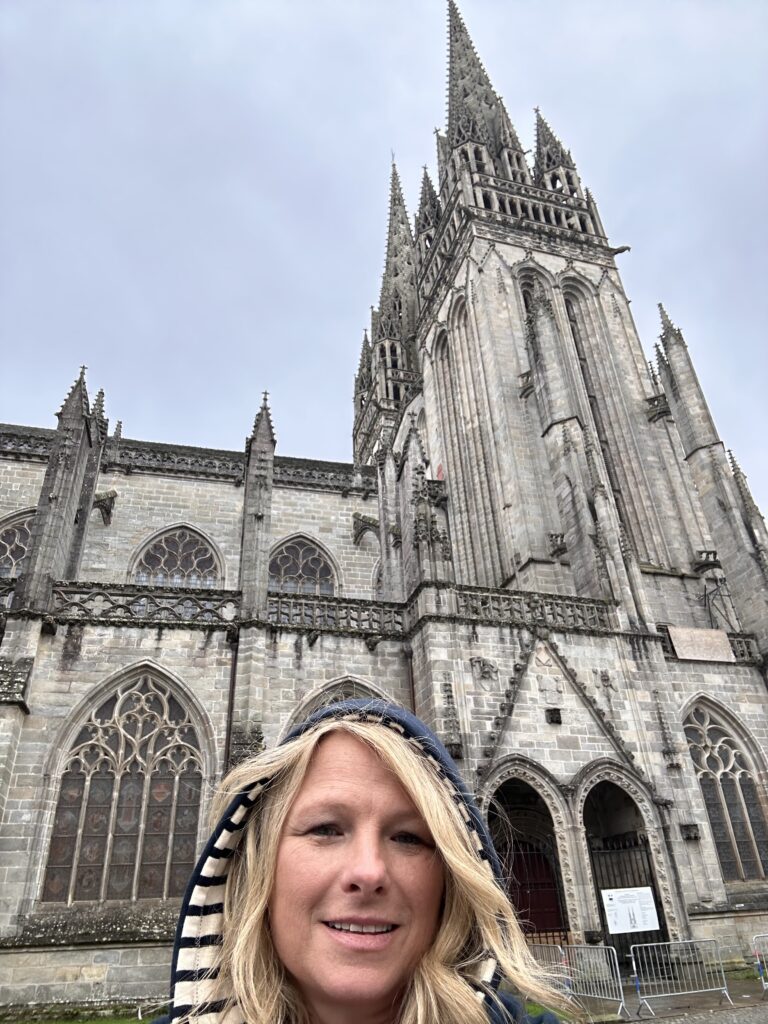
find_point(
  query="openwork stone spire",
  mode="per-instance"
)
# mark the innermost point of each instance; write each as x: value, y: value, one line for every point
x: 554, y: 166
x: 429, y: 206
x: 550, y: 151
x: 392, y: 320
x: 475, y: 112
x: 363, y: 376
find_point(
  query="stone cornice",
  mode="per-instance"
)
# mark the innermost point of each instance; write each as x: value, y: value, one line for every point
x: 128, y: 456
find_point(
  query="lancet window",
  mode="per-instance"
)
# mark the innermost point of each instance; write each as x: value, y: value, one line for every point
x: 390, y: 362
x: 300, y: 567
x: 735, y: 806
x: 179, y: 558
x: 15, y: 538
x: 127, y: 814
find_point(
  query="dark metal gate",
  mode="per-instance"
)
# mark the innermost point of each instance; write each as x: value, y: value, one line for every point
x: 624, y: 862
x: 536, y: 893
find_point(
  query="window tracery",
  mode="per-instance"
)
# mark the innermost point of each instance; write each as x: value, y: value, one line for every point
x: 728, y: 784
x: 126, y: 820
x: 300, y: 567
x: 347, y: 689
x: 179, y: 558
x: 15, y: 540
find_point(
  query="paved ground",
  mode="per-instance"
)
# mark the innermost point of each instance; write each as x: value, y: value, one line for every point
x: 754, y: 1014
x: 749, y: 1006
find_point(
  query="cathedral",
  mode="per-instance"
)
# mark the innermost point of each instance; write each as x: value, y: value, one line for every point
x: 540, y: 545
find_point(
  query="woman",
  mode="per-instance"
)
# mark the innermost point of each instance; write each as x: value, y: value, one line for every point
x: 351, y: 880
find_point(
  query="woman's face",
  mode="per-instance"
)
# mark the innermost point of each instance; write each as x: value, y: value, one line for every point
x: 358, y: 886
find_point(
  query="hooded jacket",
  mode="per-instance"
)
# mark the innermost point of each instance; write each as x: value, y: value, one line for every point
x: 202, y: 912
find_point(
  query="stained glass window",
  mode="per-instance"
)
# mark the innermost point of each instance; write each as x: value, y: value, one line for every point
x: 179, y: 558
x: 299, y: 567
x: 15, y: 539
x: 126, y: 820
x: 727, y: 778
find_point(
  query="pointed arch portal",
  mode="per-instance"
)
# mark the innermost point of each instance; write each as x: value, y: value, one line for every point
x: 524, y: 835
x: 618, y: 849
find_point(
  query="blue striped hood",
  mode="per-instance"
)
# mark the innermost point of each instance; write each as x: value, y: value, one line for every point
x: 199, y: 933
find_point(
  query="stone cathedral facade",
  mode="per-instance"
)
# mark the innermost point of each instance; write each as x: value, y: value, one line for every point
x: 541, y: 545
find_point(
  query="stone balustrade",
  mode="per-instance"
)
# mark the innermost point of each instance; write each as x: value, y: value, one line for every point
x: 525, y: 608
x: 335, y: 615
x: 131, y: 603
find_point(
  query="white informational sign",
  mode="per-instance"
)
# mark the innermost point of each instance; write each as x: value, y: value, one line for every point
x: 630, y: 910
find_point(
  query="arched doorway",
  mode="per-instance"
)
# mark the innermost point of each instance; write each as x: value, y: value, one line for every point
x: 621, y: 859
x: 524, y: 836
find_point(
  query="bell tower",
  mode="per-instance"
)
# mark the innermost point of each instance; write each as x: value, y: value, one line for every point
x: 503, y: 326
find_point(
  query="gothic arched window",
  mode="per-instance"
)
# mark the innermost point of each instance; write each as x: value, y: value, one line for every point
x: 126, y: 820
x: 300, y: 567
x: 347, y: 689
x: 178, y: 558
x: 728, y: 784
x: 15, y: 538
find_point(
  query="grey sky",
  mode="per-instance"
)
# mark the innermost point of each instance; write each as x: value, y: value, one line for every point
x: 193, y: 193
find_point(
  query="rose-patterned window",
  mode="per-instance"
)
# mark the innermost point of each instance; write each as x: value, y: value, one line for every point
x: 299, y: 567
x: 15, y: 537
x: 126, y: 820
x: 179, y: 558
x: 735, y: 806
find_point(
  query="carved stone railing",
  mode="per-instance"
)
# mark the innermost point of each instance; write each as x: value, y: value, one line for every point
x: 744, y: 647
x: 168, y: 459
x: 526, y: 608
x: 130, y: 603
x: 338, y: 615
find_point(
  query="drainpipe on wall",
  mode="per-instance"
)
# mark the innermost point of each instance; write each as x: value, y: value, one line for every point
x: 233, y: 637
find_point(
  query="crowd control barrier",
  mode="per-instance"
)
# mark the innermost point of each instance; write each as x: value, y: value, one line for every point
x: 552, y: 959
x: 594, y: 974
x: 665, y: 969
x: 583, y: 972
x: 760, y: 947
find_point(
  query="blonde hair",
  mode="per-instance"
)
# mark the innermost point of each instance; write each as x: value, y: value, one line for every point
x: 477, y: 921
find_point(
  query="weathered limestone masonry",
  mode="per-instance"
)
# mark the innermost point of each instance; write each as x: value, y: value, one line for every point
x: 541, y: 546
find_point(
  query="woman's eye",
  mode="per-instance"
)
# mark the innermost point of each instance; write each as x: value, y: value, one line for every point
x: 408, y: 839
x: 325, y: 829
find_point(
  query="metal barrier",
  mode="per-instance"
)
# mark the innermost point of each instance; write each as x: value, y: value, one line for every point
x: 552, y: 959
x: 665, y: 969
x: 760, y: 947
x: 594, y: 974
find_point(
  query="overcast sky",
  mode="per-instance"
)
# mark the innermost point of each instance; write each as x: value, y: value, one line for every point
x: 193, y: 193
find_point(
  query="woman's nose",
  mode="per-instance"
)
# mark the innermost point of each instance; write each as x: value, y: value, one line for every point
x: 365, y: 869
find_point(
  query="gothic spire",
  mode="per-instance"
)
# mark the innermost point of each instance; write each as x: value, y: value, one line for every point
x: 429, y: 205
x: 262, y: 426
x: 98, y: 414
x: 397, y: 281
x: 743, y: 487
x: 76, y: 403
x: 553, y: 167
x: 670, y: 334
x: 363, y: 376
x: 475, y: 111
x: 365, y: 355
x: 470, y: 94
x: 550, y: 152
